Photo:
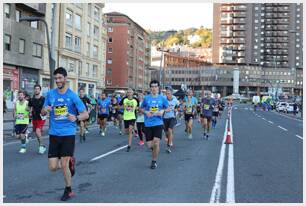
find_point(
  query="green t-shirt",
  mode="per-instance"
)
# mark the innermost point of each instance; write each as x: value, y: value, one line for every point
x: 129, y: 106
x: 22, y: 115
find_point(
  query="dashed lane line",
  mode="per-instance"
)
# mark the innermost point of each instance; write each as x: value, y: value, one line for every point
x: 282, y: 128
x: 270, y: 122
x: 298, y: 136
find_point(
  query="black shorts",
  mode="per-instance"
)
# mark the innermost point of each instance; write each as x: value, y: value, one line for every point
x: 155, y: 131
x: 114, y: 115
x: 61, y: 146
x: 188, y: 117
x: 102, y: 116
x: 120, y: 112
x: 169, y: 123
x: 215, y: 114
x: 127, y: 123
x: 205, y: 117
x: 21, y: 128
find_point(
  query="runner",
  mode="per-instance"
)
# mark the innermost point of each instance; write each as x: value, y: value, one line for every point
x: 207, y: 104
x: 153, y: 107
x: 120, y: 113
x: 63, y: 105
x: 129, y: 104
x: 103, y: 112
x: 170, y: 118
x: 114, y: 111
x: 36, y: 104
x: 21, y: 116
x: 215, y: 112
x: 190, y: 103
x: 140, y: 121
x: 83, y: 124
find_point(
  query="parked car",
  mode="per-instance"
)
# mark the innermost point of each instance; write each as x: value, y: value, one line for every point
x: 281, y: 106
x: 289, y: 108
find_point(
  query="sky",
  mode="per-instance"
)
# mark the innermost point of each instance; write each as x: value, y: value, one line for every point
x: 165, y: 16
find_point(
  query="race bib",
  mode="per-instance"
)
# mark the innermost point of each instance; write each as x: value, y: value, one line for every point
x: 103, y: 110
x: 206, y: 106
x: 189, y: 109
x: 154, y: 109
x: 129, y: 108
x: 20, y: 116
x: 60, y: 112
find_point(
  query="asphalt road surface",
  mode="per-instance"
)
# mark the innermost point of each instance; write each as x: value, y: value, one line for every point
x: 264, y: 164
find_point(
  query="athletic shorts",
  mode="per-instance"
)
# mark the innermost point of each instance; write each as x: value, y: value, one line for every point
x: 114, y: 115
x: 155, y: 131
x: 102, y: 116
x: 120, y: 112
x: 38, y: 124
x: 21, y: 128
x: 127, y: 123
x: 61, y: 146
x: 205, y: 117
x: 169, y: 123
x: 188, y: 117
x: 215, y: 114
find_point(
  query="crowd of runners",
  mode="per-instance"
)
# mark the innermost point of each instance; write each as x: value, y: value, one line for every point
x: 145, y: 116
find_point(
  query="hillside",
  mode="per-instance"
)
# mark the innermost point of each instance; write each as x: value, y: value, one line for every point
x: 202, y: 37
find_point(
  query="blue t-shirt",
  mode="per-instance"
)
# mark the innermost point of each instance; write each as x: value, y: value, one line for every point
x: 173, y: 104
x: 190, y: 104
x: 62, y: 104
x: 208, y: 106
x: 154, y: 104
x: 104, y: 105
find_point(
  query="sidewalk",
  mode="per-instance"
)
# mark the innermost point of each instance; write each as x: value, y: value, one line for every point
x: 8, y: 116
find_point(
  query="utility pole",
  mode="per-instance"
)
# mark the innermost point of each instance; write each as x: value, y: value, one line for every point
x: 161, y: 65
x: 53, y: 33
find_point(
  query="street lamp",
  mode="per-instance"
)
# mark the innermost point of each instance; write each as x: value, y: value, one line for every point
x: 51, y: 60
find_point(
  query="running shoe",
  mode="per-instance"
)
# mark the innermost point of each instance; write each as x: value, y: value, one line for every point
x: 120, y: 132
x: 67, y: 194
x: 41, y: 149
x: 72, y: 166
x: 189, y: 136
x: 103, y: 134
x: 128, y: 148
x: 22, y: 150
x: 207, y: 136
x: 86, y: 131
x: 168, y: 149
x: 84, y: 138
x: 153, y: 165
x: 141, y: 142
x: 204, y: 135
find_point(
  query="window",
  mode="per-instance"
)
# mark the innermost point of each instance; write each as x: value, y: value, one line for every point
x: 34, y: 24
x: 109, y: 71
x: 87, y: 67
x: 110, y: 29
x: 21, y: 46
x: 77, y: 21
x: 18, y: 15
x: 110, y: 40
x: 95, y: 51
x: 109, y: 61
x: 7, y: 42
x: 79, y: 67
x: 94, y: 70
x: 88, y: 49
x: 37, y: 50
x: 89, y: 9
x: 68, y: 41
x: 96, y: 31
x: 68, y: 17
x: 88, y: 29
x: 110, y: 50
x: 97, y: 13
x: 77, y: 44
x: 7, y: 10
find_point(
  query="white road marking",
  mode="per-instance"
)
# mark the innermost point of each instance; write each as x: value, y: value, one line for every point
x: 282, y: 128
x: 299, y: 136
x: 263, y: 118
x: 108, y: 153
x: 216, y: 191
x: 270, y: 122
x: 288, y: 117
x: 230, y: 187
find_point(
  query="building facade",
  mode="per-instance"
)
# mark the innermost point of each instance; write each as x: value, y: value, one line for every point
x: 128, y: 53
x: 267, y: 35
x: 22, y: 49
x: 79, y: 45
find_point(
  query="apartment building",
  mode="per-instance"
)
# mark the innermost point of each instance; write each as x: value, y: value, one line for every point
x: 128, y: 53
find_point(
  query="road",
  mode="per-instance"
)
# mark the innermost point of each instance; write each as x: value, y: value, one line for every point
x: 265, y: 166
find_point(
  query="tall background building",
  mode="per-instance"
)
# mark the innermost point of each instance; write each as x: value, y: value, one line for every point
x: 267, y: 35
x: 22, y: 48
x: 79, y: 45
x: 128, y: 53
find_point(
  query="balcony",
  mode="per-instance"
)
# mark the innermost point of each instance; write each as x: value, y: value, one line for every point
x: 241, y: 54
x: 239, y: 8
x: 239, y: 14
x: 226, y: 8
x: 239, y: 21
x: 239, y: 28
x: 239, y: 41
x: 226, y: 21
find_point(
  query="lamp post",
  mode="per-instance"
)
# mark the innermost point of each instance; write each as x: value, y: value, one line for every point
x: 51, y: 60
